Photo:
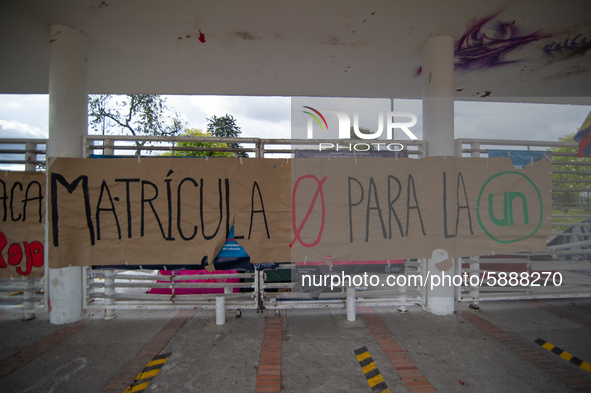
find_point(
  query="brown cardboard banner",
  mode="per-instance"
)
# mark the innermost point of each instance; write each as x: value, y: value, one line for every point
x: 372, y: 209
x: 177, y: 210
x: 22, y: 213
x: 164, y: 211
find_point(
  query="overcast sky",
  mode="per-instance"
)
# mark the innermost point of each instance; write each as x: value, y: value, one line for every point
x: 26, y: 116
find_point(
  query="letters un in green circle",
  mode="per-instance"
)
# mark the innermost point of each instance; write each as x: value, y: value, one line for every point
x: 478, y: 206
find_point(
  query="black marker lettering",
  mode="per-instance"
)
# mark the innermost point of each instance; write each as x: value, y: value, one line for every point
x: 411, y: 183
x: 70, y: 187
x: 99, y: 210
x: 252, y: 211
x: 372, y: 185
x: 351, y: 204
x: 127, y: 201
x: 144, y: 200
x: 179, y: 210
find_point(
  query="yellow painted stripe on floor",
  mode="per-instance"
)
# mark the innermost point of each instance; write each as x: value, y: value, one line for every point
x: 148, y: 374
x: 375, y: 380
x: 387, y: 391
x: 363, y: 356
x: 548, y: 346
x: 566, y: 356
x: 156, y: 362
x: 138, y: 388
x: 369, y: 367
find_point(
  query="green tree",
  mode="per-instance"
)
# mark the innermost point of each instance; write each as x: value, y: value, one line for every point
x: 363, y: 130
x: 137, y: 114
x: 225, y: 127
x: 195, y: 132
x: 566, y: 176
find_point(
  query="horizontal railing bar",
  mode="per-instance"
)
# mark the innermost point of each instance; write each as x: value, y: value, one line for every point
x: 173, y: 284
x: 21, y: 162
x: 13, y: 151
x: 20, y: 298
x: 572, y: 172
x: 147, y: 138
x: 566, y: 224
x: 571, y: 190
x: 168, y: 306
x: 23, y: 141
x: 525, y: 297
x: 176, y: 277
x: 569, y: 234
x: 166, y: 297
x: 547, y: 152
x: 574, y: 181
x: 573, y: 216
x: 553, y: 252
x: 501, y: 142
x: 569, y: 245
x: 565, y: 163
x: 169, y: 148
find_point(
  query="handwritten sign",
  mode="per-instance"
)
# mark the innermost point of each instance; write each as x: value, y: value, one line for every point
x: 165, y: 211
x: 176, y: 211
x: 22, y: 221
x: 394, y: 209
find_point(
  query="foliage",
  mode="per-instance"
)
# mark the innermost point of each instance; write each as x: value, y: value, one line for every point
x: 195, y: 132
x: 137, y: 114
x: 362, y: 130
x: 566, y: 200
x: 225, y: 127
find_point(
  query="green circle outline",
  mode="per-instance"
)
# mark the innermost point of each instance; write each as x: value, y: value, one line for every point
x: 478, y: 206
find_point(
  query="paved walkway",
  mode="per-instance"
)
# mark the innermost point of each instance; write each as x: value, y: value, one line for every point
x: 496, y: 349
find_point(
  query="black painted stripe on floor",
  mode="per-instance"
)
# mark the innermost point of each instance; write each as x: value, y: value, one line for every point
x: 152, y: 369
x: 374, y: 378
x: 565, y: 355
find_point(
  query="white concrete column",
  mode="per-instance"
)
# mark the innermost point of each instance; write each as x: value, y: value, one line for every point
x: 438, y: 95
x: 68, y: 122
x: 438, y: 131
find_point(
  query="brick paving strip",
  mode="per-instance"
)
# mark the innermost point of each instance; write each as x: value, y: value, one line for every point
x: 32, y: 352
x: 559, y: 312
x: 126, y: 376
x: 572, y: 378
x: 269, y: 376
x: 410, y: 374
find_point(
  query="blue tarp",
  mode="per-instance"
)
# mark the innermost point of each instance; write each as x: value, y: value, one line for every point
x: 519, y: 158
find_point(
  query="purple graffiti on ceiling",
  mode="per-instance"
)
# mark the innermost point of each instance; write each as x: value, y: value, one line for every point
x: 486, y: 42
x: 569, y: 47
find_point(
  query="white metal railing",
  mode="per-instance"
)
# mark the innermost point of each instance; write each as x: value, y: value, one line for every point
x: 125, y: 289
x: 292, y: 294
x: 119, y: 293
x: 122, y: 145
x: 31, y: 152
x: 22, y: 295
x: 130, y: 289
x: 575, y: 282
x: 27, y: 152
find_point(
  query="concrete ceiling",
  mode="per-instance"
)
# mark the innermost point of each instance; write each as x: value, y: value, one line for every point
x: 523, y: 50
